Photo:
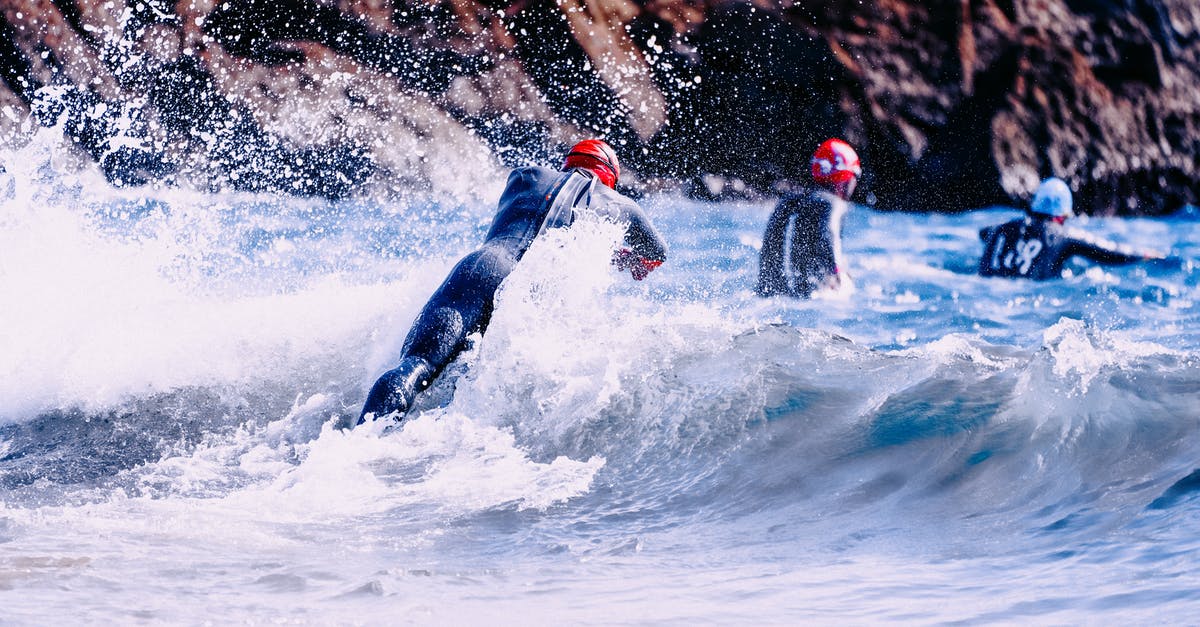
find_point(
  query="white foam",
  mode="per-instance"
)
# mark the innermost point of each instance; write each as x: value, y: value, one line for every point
x: 1081, y: 353
x: 100, y: 305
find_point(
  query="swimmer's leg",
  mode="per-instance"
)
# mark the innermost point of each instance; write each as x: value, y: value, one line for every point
x: 435, y: 339
x: 462, y: 305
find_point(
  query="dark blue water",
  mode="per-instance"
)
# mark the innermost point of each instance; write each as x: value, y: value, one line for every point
x: 176, y: 369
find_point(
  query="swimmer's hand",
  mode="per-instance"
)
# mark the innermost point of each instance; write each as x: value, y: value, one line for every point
x: 638, y: 266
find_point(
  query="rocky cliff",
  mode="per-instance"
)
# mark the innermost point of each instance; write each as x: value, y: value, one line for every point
x: 954, y: 104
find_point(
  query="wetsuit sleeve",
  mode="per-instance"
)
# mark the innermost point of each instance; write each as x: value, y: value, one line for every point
x: 770, y: 263
x: 1102, y: 251
x: 641, y: 235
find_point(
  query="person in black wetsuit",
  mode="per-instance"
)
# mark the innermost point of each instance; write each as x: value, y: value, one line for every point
x: 1037, y: 246
x: 811, y: 259
x: 534, y: 200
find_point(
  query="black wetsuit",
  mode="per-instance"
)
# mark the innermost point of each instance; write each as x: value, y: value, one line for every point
x: 813, y: 256
x: 534, y: 199
x: 1036, y: 248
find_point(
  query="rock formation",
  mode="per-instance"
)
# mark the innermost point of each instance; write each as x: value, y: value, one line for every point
x: 954, y: 104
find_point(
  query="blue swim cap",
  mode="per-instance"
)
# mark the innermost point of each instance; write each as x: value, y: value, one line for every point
x: 1053, y: 198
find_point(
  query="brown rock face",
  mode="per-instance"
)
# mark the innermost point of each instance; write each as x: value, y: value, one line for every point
x: 953, y: 104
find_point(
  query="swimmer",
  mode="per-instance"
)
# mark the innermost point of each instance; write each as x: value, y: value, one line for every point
x: 535, y: 199
x: 1037, y: 245
x: 811, y: 259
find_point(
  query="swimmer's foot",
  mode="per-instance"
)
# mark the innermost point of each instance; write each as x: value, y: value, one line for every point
x: 395, y: 390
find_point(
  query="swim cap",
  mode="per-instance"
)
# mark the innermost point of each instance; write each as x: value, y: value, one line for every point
x: 598, y: 158
x: 1053, y: 199
x: 835, y: 162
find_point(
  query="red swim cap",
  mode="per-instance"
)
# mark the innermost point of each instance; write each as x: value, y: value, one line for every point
x: 835, y: 162
x: 598, y: 158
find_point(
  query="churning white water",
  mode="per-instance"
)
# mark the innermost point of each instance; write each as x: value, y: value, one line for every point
x: 177, y: 371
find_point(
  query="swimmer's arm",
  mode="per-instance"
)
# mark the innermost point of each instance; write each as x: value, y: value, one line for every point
x: 1111, y: 253
x: 642, y: 237
x: 640, y: 234
x: 646, y: 250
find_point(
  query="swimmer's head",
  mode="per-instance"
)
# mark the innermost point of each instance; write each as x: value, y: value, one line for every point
x: 1053, y: 200
x: 596, y: 157
x: 835, y: 165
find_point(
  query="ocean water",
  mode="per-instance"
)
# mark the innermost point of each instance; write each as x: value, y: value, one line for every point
x: 177, y: 370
